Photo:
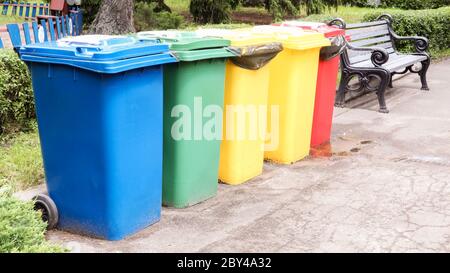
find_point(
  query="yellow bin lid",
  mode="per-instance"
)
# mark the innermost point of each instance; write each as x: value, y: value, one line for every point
x: 293, y: 38
x: 240, y: 37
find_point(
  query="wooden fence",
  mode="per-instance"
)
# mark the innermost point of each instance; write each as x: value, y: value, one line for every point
x: 26, y: 10
x: 49, y: 28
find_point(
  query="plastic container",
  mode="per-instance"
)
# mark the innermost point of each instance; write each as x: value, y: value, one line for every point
x: 326, y: 79
x: 293, y: 75
x: 193, y: 105
x: 102, y: 156
x: 246, y: 97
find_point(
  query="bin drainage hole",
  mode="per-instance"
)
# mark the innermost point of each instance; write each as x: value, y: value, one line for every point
x: 365, y: 142
x: 355, y: 150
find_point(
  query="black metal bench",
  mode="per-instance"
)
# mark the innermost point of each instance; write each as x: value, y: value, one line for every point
x: 371, y: 57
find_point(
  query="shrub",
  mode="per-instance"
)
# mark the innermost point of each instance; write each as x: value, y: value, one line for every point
x: 21, y: 228
x: 145, y: 18
x: 253, y: 3
x: 357, y: 3
x: 432, y: 23
x: 212, y: 11
x: 415, y: 4
x: 16, y: 93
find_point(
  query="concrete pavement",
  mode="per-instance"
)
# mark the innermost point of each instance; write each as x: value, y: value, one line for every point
x: 385, y: 189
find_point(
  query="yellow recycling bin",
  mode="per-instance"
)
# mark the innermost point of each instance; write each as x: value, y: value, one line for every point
x: 292, y: 90
x: 246, y: 97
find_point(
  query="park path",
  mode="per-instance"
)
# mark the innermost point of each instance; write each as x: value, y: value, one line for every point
x: 385, y: 189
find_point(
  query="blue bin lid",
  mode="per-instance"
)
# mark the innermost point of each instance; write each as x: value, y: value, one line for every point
x: 99, y: 53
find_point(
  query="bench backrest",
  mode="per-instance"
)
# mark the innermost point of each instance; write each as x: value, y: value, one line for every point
x: 368, y: 34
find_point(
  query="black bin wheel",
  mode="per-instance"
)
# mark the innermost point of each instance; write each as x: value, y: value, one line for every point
x: 47, y: 207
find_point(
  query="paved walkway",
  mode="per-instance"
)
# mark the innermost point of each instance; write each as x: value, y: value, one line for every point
x: 386, y: 188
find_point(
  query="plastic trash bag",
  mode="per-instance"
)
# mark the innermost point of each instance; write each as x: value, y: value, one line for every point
x: 329, y: 52
x: 255, y: 57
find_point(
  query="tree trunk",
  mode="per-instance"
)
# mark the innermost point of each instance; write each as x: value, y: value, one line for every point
x: 114, y: 17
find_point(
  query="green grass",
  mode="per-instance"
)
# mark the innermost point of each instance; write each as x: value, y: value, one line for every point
x: 178, y: 5
x: 10, y: 20
x: 349, y: 14
x: 20, y: 160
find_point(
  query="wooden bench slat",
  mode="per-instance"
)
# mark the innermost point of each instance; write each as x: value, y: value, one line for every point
x: 364, y: 57
x: 365, y: 24
x: 354, y: 53
x: 371, y: 41
x: 371, y: 34
x: 396, y: 62
x: 352, y: 32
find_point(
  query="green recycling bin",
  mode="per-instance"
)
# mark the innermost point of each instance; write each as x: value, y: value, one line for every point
x: 193, y: 112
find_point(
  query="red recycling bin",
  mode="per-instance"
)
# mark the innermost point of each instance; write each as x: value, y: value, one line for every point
x: 326, y: 84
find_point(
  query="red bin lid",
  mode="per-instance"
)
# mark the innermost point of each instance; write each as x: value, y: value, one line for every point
x: 328, y: 31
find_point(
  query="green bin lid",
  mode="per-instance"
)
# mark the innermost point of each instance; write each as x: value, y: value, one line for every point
x: 191, y: 46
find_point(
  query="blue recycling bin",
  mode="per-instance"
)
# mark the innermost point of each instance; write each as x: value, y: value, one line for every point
x: 99, y: 104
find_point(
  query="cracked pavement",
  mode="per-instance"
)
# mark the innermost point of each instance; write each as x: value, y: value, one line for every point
x: 386, y: 188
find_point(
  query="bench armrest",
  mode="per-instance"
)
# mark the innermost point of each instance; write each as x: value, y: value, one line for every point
x: 379, y: 56
x: 420, y: 43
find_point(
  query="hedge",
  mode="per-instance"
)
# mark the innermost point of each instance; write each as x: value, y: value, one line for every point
x: 16, y: 93
x: 432, y: 23
x: 415, y: 4
x: 402, y: 4
x: 21, y: 228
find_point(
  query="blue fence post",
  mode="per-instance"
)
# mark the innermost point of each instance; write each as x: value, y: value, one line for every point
x: 5, y: 8
x: 44, y: 26
x: 80, y: 21
x: 51, y: 28
x: 63, y: 26
x: 41, y: 9
x: 72, y: 24
x: 34, y: 10
x: 27, y: 11
x: 14, y: 35
x: 21, y: 6
x: 58, y: 27
x: 67, y: 25
x: 26, y: 33
x: 35, y: 31
x: 14, y: 9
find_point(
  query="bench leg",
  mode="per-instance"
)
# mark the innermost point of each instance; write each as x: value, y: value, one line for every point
x: 423, y: 74
x: 340, y: 96
x: 390, y: 82
x: 385, y: 80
